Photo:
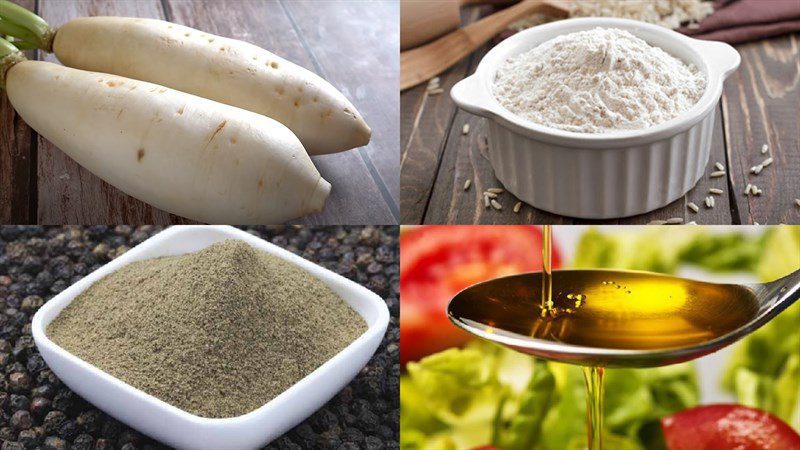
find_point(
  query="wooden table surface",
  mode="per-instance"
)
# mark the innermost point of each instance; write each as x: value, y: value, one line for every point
x: 352, y: 44
x: 760, y: 105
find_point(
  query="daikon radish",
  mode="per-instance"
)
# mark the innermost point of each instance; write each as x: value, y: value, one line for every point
x: 185, y: 154
x: 226, y: 70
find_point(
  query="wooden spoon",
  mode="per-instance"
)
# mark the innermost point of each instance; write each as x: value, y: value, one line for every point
x: 422, y: 21
x: 423, y: 63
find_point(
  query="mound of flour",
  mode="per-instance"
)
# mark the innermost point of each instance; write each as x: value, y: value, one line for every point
x: 597, y: 81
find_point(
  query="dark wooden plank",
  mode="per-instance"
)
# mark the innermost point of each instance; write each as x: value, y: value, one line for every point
x: 355, y: 197
x: 430, y: 120
x: 17, y: 192
x: 335, y: 34
x: 68, y: 193
x: 761, y: 104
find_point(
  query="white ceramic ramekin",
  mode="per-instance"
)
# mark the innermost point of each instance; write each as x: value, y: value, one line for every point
x: 179, y: 428
x: 599, y: 176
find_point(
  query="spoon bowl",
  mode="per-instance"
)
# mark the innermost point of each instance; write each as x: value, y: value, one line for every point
x: 619, y: 318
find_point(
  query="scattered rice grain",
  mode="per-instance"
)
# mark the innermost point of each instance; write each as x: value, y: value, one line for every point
x: 657, y: 222
x: 766, y: 162
x: 490, y: 195
x: 485, y: 201
x: 519, y: 205
x: 764, y: 149
x: 716, y: 191
x: 797, y: 201
x: 495, y: 190
x: 693, y: 207
x: 719, y: 166
x: 465, y: 129
x: 467, y: 184
x: 674, y: 221
x: 718, y: 173
x: 496, y: 205
x: 748, y: 189
x: 436, y: 91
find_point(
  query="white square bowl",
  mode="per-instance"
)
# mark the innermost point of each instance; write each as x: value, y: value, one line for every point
x: 179, y: 428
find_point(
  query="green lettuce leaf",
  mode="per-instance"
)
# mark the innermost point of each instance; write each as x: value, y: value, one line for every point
x: 518, y: 403
x: 764, y: 370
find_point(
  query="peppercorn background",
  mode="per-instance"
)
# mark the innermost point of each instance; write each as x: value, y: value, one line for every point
x: 38, y: 411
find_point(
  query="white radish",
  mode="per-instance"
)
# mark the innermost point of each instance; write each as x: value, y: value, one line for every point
x: 185, y: 154
x: 226, y: 70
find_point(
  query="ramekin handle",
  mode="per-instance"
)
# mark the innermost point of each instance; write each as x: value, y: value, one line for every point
x: 471, y: 96
x: 723, y: 58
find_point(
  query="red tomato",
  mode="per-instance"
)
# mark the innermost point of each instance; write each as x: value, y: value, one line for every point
x: 727, y: 427
x: 437, y: 261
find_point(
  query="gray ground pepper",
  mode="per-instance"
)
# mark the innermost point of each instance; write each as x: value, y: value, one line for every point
x: 218, y: 333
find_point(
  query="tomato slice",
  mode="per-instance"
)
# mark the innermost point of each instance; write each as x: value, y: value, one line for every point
x: 437, y: 261
x: 727, y: 427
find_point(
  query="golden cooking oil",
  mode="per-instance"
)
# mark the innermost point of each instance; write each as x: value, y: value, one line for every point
x: 594, y: 406
x: 611, y: 309
x: 547, y: 270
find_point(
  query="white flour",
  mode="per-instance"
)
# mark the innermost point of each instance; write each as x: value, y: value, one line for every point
x: 597, y: 81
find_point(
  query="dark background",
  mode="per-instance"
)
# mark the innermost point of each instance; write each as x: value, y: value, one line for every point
x: 38, y: 411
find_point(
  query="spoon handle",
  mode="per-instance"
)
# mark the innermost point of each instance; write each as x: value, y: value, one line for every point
x: 777, y: 295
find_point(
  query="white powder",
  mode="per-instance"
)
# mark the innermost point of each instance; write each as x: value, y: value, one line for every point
x: 597, y: 81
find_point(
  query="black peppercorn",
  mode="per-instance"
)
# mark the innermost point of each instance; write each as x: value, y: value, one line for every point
x: 54, y: 443
x: 19, y: 382
x: 19, y: 402
x: 8, y: 445
x: 104, y: 444
x: 40, y: 406
x: 68, y: 430
x: 89, y: 421
x: 110, y: 429
x: 28, y: 438
x: 44, y: 390
x: 31, y: 304
x: 52, y: 421
x: 7, y: 434
x: 21, y: 420
x: 83, y: 442
x: 63, y: 400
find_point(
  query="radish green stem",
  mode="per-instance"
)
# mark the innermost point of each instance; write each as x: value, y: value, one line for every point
x: 6, y: 48
x: 24, y: 45
x: 33, y: 24
x: 9, y: 55
x: 9, y: 29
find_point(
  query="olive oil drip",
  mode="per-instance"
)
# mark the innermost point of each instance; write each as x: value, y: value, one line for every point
x: 549, y: 309
x: 594, y: 406
x: 547, y: 271
x: 592, y: 375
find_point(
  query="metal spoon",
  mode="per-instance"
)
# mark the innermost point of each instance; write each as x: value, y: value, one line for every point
x: 505, y: 311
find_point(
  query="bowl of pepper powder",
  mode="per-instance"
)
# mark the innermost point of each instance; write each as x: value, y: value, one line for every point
x: 209, y: 337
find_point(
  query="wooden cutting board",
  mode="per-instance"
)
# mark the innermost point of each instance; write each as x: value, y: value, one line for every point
x: 422, y: 21
x: 422, y: 63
